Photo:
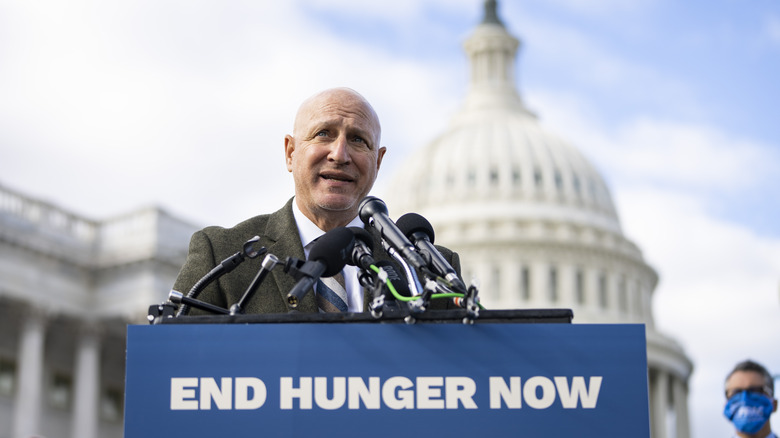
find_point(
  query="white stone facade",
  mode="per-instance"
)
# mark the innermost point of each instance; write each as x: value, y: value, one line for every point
x: 533, y: 220
x: 68, y: 288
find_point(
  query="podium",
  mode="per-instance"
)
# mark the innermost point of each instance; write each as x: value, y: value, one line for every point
x: 527, y: 373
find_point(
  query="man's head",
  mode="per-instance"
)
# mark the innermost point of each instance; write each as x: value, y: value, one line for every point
x: 750, y: 398
x: 334, y: 155
x: 749, y: 375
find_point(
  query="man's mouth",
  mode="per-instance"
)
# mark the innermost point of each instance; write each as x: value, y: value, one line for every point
x: 336, y: 177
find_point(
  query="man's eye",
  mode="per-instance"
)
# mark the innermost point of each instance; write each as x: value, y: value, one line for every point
x: 359, y: 139
x: 322, y: 133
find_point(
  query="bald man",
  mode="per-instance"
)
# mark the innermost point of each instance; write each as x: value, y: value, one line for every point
x: 334, y: 155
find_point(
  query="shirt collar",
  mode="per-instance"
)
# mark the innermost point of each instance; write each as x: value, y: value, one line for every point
x: 309, y: 232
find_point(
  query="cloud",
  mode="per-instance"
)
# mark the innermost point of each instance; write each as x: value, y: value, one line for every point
x: 691, y: 156
x: 602, y: 9
x: 156, y: 102
x: 718, y: 292
x: 772, y: 29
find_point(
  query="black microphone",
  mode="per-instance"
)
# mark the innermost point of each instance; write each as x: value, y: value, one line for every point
x: 362, y: 253
x: 420, y: 232
x: 373, y: 211
x: 326, y: 259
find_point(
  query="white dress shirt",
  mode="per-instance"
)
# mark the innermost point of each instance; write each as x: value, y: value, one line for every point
x: 309, y: 232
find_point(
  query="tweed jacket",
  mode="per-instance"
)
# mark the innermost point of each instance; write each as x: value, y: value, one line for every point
x: 279, y: 234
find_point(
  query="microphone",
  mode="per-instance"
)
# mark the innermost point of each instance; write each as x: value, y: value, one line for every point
x: 327, y: 257
x: 362, y: 253
x: 420, y: 232
x: 373, y: 211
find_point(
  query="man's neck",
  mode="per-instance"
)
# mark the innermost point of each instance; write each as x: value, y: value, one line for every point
x: 763, y: 433
x: 327, y: 220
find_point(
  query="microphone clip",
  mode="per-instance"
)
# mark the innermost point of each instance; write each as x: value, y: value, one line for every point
x: 297, y: 268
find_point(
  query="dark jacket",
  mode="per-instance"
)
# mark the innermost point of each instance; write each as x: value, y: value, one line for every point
x: 279, y: 234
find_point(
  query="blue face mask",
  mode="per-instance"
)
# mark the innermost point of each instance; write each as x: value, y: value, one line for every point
x: 748, y: 411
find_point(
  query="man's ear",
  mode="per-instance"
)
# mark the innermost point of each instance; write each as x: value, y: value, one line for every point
x: 289, y: 147
x: 379, y: 155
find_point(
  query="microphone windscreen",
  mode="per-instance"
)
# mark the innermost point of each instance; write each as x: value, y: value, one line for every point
x: 411, y: 223
x: 394, y: 275
x: 332, y: 249
x: 369, y: 206
x: 362, y: 235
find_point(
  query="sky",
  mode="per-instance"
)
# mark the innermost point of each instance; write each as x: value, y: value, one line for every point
x: 108, y: 107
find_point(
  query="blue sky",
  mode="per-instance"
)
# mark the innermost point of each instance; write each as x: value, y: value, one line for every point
x: 106, y: 107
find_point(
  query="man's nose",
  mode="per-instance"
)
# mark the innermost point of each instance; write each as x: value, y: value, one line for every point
x: 339, y: 150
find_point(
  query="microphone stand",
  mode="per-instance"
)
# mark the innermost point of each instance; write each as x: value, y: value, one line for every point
x: 168, y: 308
x: 269, y: 262
x: 179, y: 298
x: 227, y: 265
x: 176, y: 297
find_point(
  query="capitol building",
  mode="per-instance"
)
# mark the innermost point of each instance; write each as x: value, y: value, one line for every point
x: 533, y: 220
x: 531, y: 217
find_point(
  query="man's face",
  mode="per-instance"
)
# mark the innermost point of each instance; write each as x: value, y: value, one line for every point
x: 744, y: 380
x: 334, y: 153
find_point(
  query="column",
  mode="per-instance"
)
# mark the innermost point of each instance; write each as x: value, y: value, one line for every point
x: 659, y: 399
x: 680, y: 392
x: 27, y: 413
x: 87, y: 383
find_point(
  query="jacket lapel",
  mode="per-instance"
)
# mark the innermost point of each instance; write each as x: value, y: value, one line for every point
x: 282, y: 231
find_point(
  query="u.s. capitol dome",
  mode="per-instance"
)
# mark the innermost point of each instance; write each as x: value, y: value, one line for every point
x: 532, y: 219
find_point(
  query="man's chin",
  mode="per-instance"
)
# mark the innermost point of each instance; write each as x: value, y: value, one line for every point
x: 338, y: 203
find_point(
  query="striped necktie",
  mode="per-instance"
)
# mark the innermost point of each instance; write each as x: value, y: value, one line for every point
x: 332, y: 294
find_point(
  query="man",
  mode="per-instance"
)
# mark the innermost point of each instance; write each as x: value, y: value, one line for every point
x: 334, y: 155
x: 750, y: 400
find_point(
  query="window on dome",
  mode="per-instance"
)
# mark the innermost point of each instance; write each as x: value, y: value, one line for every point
x: 579, y: 286
x: 111, y: 404
x: 516, y: 177
x: 558, y: 181
x: 7, y: 376
x: 525, y: 283
x: 552, y: 285
x: 493, y: 176
x: 60, y: 391
x: 603, y: 301
x: 640, y: 305
x: 622, y: 294
x: 495, y: 280
x: 577, y: 188
x: 538, y: 178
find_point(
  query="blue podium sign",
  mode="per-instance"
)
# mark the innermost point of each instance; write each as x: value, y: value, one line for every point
x: 386, y: 380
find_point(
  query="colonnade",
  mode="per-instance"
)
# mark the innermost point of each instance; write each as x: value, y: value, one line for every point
x: 669, y: 409
x: 31, y: 389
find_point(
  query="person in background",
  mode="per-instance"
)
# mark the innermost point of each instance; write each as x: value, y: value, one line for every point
x: 750, y: 400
